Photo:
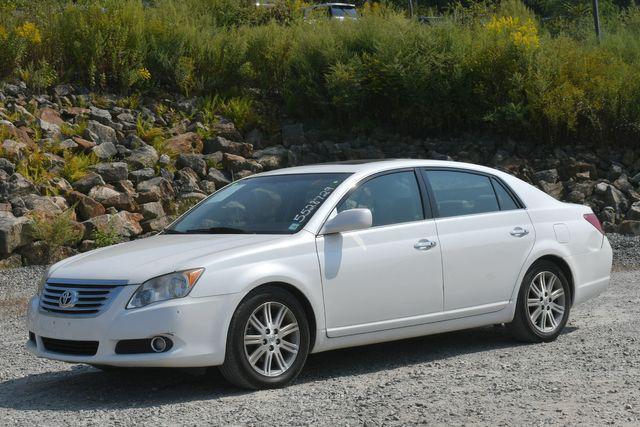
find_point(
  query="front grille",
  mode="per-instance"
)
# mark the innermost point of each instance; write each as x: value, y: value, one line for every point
x: 75, y: 348
x: 78, y: 299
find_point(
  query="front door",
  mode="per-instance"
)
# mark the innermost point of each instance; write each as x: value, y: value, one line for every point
x: 386, y: 276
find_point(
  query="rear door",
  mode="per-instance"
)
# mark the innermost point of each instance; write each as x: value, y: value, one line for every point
x: 485, y: 236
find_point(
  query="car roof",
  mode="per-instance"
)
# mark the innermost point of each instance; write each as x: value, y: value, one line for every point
x: 375, y: 165
x: 530, y: 195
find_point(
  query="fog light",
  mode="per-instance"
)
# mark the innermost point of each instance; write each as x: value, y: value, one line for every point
x: 158, y: 344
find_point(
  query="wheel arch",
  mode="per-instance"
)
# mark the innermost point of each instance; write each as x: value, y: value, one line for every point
x: 300, y: 296
x: 562, y: 265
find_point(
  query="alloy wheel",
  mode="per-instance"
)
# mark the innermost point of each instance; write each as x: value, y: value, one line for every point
x: 271, y: 339
x: 546, y: 301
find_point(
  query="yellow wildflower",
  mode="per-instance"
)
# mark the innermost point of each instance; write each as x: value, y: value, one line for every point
x: 522, y: 34
x: 30, y: 32
x: 3, y: 33
x: 143, y: 73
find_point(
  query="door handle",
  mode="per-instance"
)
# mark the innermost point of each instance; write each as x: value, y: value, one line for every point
x: 424, y: 244
x: 519, y: 232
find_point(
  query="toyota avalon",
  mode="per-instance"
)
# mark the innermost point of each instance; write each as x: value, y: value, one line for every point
x: 307, y: 259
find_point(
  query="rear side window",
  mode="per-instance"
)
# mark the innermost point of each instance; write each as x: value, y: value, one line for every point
x: 392, y: 198
x: 504, y: 198
x: 462, y: 193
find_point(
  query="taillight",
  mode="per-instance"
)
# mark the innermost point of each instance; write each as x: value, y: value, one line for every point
x: 593, y: 220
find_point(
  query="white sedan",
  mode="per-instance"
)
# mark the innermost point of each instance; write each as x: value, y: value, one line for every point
x: 308, y: 259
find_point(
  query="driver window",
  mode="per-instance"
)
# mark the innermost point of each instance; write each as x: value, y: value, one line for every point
x: 392, y: 198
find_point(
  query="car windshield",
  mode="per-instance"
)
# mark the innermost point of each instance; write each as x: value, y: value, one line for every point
x: 344, y: 11
x: 278, y: 204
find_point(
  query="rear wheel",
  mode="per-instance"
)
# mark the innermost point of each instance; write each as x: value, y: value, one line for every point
x: 543, y: 305
x: 268, y: 340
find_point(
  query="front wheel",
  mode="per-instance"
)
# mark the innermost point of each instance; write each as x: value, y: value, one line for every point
x: 268, y: 340
x: 543, y: 304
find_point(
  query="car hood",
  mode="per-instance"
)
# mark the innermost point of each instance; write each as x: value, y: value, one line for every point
x: 143, y: 259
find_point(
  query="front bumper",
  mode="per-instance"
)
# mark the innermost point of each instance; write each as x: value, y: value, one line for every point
x: 197, y: 326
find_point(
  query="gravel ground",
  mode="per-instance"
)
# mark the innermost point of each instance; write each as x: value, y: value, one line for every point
x: 590, y: 375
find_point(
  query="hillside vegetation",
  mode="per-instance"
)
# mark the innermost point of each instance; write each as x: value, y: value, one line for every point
x: 482, y: 68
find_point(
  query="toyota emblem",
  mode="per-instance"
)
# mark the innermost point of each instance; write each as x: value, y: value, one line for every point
x: 68, y: 299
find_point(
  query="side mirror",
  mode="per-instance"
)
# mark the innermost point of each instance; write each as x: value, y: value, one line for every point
x: 349, y: 220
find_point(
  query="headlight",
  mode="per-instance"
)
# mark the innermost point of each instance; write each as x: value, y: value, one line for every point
x: 43, y: 280
x: 162, y: 288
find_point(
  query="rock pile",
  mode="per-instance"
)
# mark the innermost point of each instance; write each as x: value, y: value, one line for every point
x: 133, y: 182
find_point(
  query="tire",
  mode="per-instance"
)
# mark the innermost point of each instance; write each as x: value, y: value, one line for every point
x: 268, y: 360
x: 533, y: 321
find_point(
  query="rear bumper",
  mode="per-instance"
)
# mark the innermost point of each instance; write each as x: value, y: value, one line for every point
x: 196, y: 326
x: 591, y: 272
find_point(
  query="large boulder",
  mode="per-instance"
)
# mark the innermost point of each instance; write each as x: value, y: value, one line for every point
x: 86, y: 207
x: 550, y: 175
x: 194, y: 162
x: 226, y: 129
x: 634, y: 212
x: 154, y: 190
x: 123, y: 223
x: 293, y: 134
x: 100, y: 115
x: 218, y: 177
x: 15, y: 185
x: 109, y: 197
x: 53, y: 205
x: 7, y: 166
x: 50, y: 120
x: 630, y: 227
x: 555, y: 190
x: 141, y: 175
x: 238, y: 163
x: 143, y: 157
x: 112, y: 172
x: 186, y: 181
x: 219, y: 143
x: 87, y: 182
x: 14, y: 149
x: 155, y: 224
x: 100, y: 133
x: 41, y: 253
x: 273, y: 158
x: 582, y: 170
x: 612, y: 196
x: 189, y: 142
x: 105, y: 151
x: 13, y: 233
x: 84, y: 144
x: 152, y: 210
x: 12, y: 261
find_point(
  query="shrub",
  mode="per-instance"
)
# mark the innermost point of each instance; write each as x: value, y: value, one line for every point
x: 76, y: 166
x: 73, y: 130
x: 55, y: 230
x: 240, y: 110
x: 35, y: 166
x: 489, y: 67
x: 107, y: 235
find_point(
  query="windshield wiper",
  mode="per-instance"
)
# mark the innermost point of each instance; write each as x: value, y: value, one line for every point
x: 211, y: 230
